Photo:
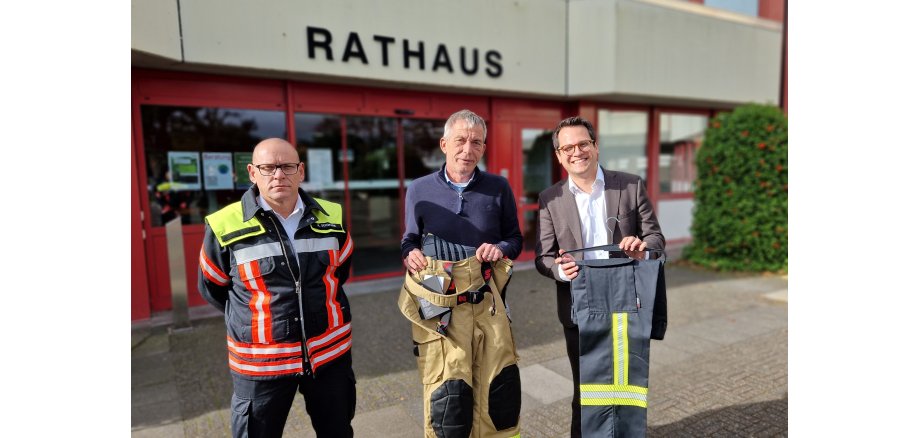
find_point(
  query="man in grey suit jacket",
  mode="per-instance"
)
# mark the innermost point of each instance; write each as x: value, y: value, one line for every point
x: 591, y: 207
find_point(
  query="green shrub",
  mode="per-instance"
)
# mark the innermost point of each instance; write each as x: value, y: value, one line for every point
x: 741, y: 196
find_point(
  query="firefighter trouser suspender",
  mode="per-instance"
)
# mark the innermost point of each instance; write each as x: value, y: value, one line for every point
x: 470, y: 378
x: 612, y: 302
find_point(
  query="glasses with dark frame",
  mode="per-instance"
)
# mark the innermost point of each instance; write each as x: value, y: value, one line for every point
x: 569, y: 149
x: 269, y: 169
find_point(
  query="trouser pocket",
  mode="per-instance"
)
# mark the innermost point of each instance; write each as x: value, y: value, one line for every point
x: 239, y: 420
x: 430, y: 355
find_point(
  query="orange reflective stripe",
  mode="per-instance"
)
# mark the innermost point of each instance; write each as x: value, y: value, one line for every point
x: 272, y: 368
x: 327, y: 356
x: 258, y: 303
x: 266, y: 351
x: 328, y: 338
x: 345, y: 252
x: 211, y: 271
x: 334, y: 310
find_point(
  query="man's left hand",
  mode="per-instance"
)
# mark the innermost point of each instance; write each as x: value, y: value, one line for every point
x: 633, y: 247
x: 488, y: 252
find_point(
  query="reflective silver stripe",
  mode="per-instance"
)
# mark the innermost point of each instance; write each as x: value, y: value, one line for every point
x: 344, y: 346
x: 620, y: 349
x: 312, y: 345
x: 247, y: 255
x: 255, y: 351
x: 316, y: 245
x: 613, y: 394
x: 268, y: 367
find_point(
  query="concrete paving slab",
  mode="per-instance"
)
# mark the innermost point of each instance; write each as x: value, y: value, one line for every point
x: 544, y: 385
x: 560, y: 366
x: 681, y: 339
x: 390, y: 422
x: 174, y: 430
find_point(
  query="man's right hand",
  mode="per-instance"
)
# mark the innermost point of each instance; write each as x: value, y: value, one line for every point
x: 415, y: 261
x: 567, y: 263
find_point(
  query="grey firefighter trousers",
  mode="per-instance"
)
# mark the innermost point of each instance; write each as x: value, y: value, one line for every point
x: 612, y: 304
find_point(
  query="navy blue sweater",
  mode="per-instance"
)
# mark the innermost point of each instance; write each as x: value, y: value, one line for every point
x: 486, y: 212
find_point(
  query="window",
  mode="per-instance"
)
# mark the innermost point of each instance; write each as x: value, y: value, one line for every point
x: 197, y: 156
x: 622, y: 139
x: 680, y: 135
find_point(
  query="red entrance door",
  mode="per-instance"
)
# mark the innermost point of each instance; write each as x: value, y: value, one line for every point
x: 529, y: 162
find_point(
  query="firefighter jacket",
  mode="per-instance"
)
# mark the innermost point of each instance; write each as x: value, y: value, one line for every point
x: 282, y: 298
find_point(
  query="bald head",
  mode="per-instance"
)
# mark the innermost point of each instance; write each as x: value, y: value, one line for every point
x: 278, y: 189
x: 271, y: 147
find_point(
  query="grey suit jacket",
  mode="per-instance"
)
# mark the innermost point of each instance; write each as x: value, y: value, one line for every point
x: 560, y: 227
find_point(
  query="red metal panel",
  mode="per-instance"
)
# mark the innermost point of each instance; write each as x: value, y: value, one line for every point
x: 140, y: 294
x: 771, y: 9
x: 327, y: 99
x: 652, y: 150
x: 168, y: 88
x: 398, y: 104
x: 527, y: 110
x: 443, y: 105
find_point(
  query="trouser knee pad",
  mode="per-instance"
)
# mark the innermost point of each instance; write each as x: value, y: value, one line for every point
x: 505, y: 398
x: 452, y: 409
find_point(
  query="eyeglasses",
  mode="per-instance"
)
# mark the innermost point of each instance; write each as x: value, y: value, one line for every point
x: 269, y: 169
x: 569, y: 149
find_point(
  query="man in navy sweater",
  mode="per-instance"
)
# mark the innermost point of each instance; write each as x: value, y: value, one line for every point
x: 462, y: 227
x: 460, y: 203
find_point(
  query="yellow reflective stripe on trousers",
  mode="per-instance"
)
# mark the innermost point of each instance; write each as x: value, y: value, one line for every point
x: 620, y: 392
x: 620, y: 349
x: 606, y: 395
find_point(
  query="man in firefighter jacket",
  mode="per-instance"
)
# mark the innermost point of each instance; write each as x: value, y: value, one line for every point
x: 462, y: 232
x: 274, y: 263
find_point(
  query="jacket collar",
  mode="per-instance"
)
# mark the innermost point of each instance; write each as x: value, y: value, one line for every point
x: 251, y: 204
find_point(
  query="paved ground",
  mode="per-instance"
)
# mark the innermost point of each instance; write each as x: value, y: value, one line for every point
x: 721, y: 370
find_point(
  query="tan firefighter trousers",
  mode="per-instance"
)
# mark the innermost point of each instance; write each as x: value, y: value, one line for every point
x: 470, y: 378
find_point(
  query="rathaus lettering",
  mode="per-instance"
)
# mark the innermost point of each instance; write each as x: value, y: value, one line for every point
x: 319, y: 43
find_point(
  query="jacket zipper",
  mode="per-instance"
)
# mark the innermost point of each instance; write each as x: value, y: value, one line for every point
x: 303, y: 332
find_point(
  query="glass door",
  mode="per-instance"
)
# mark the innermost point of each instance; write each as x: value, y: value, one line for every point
x: 536, y: 175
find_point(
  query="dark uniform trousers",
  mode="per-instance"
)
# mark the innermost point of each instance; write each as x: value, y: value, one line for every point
x: 612, y: 305
x: 260, y: 407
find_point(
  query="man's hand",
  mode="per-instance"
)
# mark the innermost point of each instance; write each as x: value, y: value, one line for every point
x: 415, y: 261
x: 633, y: 247
x: 488, y: 252
x: 567, y: 262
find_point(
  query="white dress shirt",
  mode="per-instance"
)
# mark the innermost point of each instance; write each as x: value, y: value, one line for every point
x: 290, y: 223
x: 592, y: 212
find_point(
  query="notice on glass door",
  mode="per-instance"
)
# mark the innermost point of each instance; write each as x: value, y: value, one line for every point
x: 184, y: 170
x: 319, y: 165
x: 218, y: 168
x: 240, y: 172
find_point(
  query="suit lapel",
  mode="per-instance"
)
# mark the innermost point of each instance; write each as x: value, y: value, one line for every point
x: 612, y: 198
x: 570, y: 213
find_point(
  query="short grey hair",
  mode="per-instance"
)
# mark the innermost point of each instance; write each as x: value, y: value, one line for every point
x: 471, y: 119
